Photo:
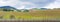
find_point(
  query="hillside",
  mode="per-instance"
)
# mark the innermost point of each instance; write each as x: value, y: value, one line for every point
x: 33, y: 14
x: 39, y: 15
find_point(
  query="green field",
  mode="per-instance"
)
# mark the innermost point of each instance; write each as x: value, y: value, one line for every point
x: 39, y: 14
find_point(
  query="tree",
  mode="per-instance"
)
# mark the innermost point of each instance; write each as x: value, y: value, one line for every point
x: 43, y: 8
x: 19, y: 10
x: 26, y: 11
x: 7, y: 10
x: 56, y: 8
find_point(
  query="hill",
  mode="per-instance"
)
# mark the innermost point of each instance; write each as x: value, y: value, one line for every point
x: 7, y: 7
x: 37, y: 15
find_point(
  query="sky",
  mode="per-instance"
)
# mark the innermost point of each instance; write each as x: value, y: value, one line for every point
x: 29, y: 4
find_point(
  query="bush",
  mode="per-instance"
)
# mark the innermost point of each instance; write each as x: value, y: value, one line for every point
x: 7, y: 10
x: 26, y: 11
x: 19, y: 10
x: 12, y: 17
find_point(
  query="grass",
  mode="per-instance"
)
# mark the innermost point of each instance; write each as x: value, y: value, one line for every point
x: 39, y: 14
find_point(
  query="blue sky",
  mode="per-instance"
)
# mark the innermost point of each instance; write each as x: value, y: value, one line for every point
x: 28, y: 4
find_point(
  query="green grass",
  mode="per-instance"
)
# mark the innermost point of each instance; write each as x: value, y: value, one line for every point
x: 39, y: 14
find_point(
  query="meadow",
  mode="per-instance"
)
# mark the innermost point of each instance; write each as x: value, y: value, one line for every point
x: 39, y: 15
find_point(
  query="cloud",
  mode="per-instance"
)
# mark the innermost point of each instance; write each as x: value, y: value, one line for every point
x: 16, y: 3
x: 8, y: 3
x: 39, y: 3
x: 28, y: 4
x: 56, y: 4
x: 35, y: 3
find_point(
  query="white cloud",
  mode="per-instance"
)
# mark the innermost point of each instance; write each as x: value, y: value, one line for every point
x: 8, y: 3
x: 15, y: 3
x: 23, y: 5
x: 56, y: 4
x: 39, y: 0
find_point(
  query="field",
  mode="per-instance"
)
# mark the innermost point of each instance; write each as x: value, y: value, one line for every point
x: 38, y: 15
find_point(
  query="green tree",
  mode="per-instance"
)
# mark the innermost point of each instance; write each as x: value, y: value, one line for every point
x: 26, y: 11
x: 19, y: 10
x: 7, y: 10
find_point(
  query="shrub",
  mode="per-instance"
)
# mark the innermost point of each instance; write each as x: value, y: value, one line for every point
x: 26, y: 11
x: 7, y: 10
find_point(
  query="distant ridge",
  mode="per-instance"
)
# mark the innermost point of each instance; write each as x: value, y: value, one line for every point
x: 7, y: 7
